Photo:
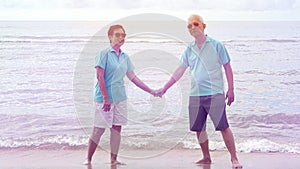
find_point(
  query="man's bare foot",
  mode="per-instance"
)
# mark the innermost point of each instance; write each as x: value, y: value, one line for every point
x: 87, y: 162
x: 117, y: 163
x: 236, y: 165
x: 203, y: 161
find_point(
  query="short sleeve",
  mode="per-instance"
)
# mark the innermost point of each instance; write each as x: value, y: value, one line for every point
x: 130, y: 66
x: 101, y: 59
x: 184, y: 58
x: 222, y: 53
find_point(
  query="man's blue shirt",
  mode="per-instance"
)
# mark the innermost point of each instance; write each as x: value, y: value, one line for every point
x: 205, y: 66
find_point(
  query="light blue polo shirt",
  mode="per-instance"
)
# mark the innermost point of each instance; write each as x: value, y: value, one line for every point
x: 205, y: 66
x: 116, y: 68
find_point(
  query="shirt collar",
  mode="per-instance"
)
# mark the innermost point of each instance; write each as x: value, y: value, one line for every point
x: 206, y: 40
x: 113, y: 50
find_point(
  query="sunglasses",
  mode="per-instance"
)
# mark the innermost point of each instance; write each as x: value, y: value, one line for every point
x: 118, y: 35
x: 196, y: 24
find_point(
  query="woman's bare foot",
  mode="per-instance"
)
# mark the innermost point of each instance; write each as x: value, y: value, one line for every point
x: 87, y: 162
x: 117, y: 163
x: 203, y: 161
x: 236, y: 165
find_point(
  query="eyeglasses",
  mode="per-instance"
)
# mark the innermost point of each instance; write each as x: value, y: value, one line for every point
x: 118, y: 35
x: 196, y: 24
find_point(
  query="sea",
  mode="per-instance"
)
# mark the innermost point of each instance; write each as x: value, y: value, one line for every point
x: 47, y: 80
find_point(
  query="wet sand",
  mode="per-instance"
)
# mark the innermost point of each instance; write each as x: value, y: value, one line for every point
x: 173, y: 159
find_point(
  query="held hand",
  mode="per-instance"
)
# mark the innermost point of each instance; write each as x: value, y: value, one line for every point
x: 106, y: 106
x: 153, y: 92
x: 230, y: 97
x: 159, y: 92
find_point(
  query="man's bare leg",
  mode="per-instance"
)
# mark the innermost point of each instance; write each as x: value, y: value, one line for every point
x: 115, y: 140
x: 203, y: 141
x: 93, y: 143
x: 229, y: 142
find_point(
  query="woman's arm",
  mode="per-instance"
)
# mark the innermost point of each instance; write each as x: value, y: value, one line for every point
x: 101, y: 83
x: 138, y: 82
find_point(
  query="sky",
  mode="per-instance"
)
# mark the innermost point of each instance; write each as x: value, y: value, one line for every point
x: 108, y: 10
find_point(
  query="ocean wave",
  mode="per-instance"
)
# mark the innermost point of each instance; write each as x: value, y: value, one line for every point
x: 267, y: 146
x: 80, y: 142
x: 46, y: 39
x: 272, y: 40
x: 74, y: 39
x: 50, y: 142
x: 281, y: 40
x: 250, y: 146
x: 133, y: 39
x: 279, y: 118
x: 279, y: 73
x: 43, y: 41
x: 153, y: 41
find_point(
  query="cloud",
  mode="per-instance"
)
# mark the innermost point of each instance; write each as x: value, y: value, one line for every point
x: 266, y: 5
x: 113, y: 9
x: 248, y: 5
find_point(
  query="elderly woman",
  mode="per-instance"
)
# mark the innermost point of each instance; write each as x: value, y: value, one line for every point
x: 112, y: 64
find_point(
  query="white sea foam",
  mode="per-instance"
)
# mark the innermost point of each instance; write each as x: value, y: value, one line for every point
x: 249, y: 146
x: 79, y: 142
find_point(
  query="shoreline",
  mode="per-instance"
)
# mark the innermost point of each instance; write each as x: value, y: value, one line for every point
x: 65, y: 159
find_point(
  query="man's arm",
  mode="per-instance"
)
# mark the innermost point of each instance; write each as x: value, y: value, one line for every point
x: 229, y: 77
x: 101, y: 83
x: 175, y: 77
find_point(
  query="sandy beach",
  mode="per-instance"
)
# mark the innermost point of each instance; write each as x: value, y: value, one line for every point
x: 173, y: 159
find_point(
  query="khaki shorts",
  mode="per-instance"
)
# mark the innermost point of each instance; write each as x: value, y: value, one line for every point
x: 116, y: 116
